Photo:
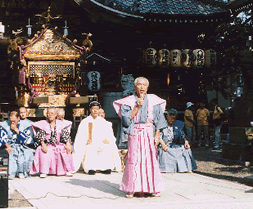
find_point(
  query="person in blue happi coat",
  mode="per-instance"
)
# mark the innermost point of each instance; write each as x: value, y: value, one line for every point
x: 174, y: 153
x: 19, y: 144
x: 3, y: 137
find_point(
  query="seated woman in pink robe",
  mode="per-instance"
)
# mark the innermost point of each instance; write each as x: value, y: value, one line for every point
x: 53, y: 155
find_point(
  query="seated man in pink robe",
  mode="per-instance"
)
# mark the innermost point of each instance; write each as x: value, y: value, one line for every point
x: 53, y: 155
x: 140, y: 113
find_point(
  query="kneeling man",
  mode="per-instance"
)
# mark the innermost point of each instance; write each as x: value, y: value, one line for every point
x: 93, y: 141
x: 174, y: 153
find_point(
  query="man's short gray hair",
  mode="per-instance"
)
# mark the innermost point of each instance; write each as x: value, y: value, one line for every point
x: 23, y: 108
x: 53, y: 109
x: 136, y: 80
x: 171, y: 112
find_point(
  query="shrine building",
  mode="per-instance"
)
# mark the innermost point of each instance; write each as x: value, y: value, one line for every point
x: 157, y: 39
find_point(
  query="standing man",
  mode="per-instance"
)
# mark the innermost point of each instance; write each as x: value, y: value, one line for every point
x: 190, y: 123
x: 23, y: 114
x: 217, y: 120
x: 101, y: 113
x: 139, y: 114
x: 20, y: 137
x: 202, y: 124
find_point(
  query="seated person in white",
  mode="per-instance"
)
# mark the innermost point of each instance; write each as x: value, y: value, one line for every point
x: 92, y: 147
x: 115, y: 151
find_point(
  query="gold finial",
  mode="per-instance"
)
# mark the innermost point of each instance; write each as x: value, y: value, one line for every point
x: 87, y: 35
x: 47, y: 15
x: 20, y: 30
x: 87, y: 41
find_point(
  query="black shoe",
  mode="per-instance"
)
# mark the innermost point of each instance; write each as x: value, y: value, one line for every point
x: 91, y: 172
x: 108, y: 171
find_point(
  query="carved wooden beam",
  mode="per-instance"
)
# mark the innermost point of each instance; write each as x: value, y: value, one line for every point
x: 43, y: 99
x: 80, y: 100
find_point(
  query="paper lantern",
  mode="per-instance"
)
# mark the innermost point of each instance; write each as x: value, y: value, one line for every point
x: 210, y: 58
x: 199, y: 56
x: 93, y: 80
x: 187, y: 58
x: 150, y: 57
x: 175, y: 58
x: 163, y: 58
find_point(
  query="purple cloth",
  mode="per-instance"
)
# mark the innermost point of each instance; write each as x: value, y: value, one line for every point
x: 21, y: 79
x: 56, y: 160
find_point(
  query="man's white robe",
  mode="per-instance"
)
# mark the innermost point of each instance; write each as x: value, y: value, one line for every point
x: 97, y: 155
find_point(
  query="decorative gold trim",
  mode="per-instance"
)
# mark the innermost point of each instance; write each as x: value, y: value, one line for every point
x: 54, y: 101
x: 52, y: 57
x: 52, y: 63
x: 52, y: 47
x: 90, y: 127
x: 78, y: 112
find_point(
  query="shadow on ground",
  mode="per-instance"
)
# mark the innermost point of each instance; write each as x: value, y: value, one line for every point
x: 108, y: 187
x: 250, y: 191
x: 248, y: 182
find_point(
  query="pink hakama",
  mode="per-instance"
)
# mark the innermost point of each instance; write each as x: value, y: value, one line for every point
x: 142, y: 173
x: 55, y: 161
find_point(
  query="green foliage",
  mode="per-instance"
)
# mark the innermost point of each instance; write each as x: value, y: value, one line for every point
x: 230, y: 44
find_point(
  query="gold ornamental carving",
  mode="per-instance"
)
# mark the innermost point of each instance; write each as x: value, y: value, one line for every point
x: 78, y: 112
x: 23, y: 100
x: 51, y: 47
x: 31, y: 112
x: 55, y: 101
x: 48, y: 67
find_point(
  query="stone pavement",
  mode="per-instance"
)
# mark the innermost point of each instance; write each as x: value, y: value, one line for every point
x: 183, y: 190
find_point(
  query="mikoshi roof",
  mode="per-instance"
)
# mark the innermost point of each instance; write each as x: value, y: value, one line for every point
x: 161, y: 7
